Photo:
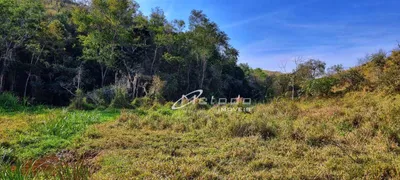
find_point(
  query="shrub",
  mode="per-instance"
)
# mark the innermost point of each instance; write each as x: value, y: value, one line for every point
x: 142, y: 102
x: 320, y: 87
x: 390, y: 81
x: 353, y: 79
x: 120, y: 99
x: 101, y: 97
x: 79, y: 102
x: 242, y: 128
x: 9, y: 102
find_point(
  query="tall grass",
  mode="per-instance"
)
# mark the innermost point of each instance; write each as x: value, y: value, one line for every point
x: 9, y: 102
x: 55, y: 131
x: 356, y: 136
x: 73, y: 171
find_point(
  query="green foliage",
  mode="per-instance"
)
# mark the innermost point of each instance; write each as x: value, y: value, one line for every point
x: 120, y: 99
x: 59, y: 170
x: 142, y: 102
x: 9, y: 102
x: 352, y: 79
x: 390, y: 80
x: 47, y: 132
x: 79, y: 102
x: 310, y: 69
x: 102, y: 97
x: 92, y: 46
x: 9, y: 173
x: 335, y: 69
x: 44, y: 137
x: 320, y: 87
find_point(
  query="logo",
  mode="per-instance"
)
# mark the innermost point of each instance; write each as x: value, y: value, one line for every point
x: 184, y: 100
x: 194, y: 97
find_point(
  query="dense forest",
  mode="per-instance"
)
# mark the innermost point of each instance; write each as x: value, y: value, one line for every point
x: 103, y: 53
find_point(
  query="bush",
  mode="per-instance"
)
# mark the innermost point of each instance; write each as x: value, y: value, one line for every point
x: 353, y: 79
x: 101, y: 97
x: 9, y: 102
x: 242, y: 128
x: 320, y: 87
x: 390, y: 81
x: 120, y: 99
x: 142, y: 102
x: 79, y: 102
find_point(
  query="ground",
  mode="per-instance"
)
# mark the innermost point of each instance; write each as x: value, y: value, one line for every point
x: 355, y: 136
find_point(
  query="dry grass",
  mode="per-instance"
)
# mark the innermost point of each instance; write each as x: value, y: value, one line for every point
x: 353, y: 137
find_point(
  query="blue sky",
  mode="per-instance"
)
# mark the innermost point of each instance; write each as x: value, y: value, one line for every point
x: 269, y: 33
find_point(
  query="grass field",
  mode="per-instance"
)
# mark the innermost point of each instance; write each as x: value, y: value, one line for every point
x: 356, y: 136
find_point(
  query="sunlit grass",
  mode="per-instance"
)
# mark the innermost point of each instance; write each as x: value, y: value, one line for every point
x: 357, y: 136
x: 352, y: 137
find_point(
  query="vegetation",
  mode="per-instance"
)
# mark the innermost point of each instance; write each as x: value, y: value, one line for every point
x: 86, y: 91
x: 354, y: 136
x: 107, y: 53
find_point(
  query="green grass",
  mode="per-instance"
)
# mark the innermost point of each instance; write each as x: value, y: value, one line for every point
x: 50, y: 132
x: 31, y: 135
x: 58, y: 171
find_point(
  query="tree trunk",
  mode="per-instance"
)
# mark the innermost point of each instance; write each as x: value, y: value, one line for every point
x: 1, y: 82
x: 154, y: 60
x: 2, y: 74
x: 103, y: 74
x: 203, y: 73
x: 12, y: 85
x: 135, y: 84
x: 26, y: 84
x: 188, y: 77
x: 292, y: 88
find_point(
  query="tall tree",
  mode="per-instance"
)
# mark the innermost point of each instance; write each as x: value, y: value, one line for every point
x: 20, y: 20
x: 104, y: 27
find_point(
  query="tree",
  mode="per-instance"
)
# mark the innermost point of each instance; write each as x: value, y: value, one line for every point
x: 104, y: 29
x: 20, y: 21
x: 335, y: 69
x: 320, y: 87
x: 203, y: 35
x: 378, y: 58
x: 310, y: 69
x: 352, y: 79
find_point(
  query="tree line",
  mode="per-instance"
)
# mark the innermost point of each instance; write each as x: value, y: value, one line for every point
x: 104, y: 52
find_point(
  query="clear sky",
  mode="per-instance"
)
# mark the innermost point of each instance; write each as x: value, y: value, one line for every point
x: 268, y: 33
